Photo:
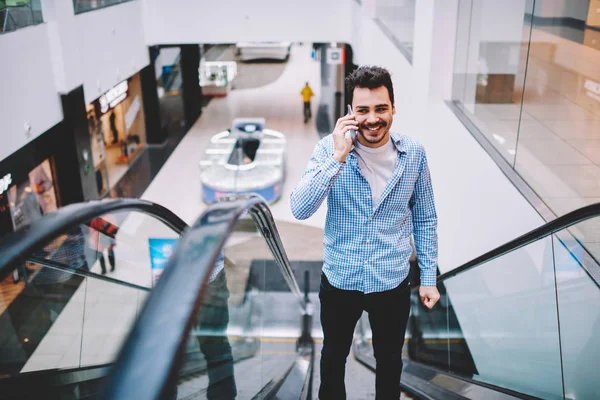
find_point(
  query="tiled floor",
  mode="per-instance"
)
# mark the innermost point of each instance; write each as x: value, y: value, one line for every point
x: 280, y: 103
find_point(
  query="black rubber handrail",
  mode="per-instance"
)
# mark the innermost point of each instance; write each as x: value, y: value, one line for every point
x: 19, y: 245
x: 559, y: 224
x: 147, y: 365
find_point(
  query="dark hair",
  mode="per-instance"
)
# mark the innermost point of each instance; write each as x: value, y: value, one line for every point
x: 370, y: 77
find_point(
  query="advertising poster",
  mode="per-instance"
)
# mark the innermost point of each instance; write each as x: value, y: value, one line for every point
x: 40, y: 179
x: 24, y: 205
x: 160, y: 252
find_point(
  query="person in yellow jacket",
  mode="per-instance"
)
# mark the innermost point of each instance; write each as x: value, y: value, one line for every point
x: 307, y: 93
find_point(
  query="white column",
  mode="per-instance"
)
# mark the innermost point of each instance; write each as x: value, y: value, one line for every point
x: 59, y: 16
x: 434, y: 45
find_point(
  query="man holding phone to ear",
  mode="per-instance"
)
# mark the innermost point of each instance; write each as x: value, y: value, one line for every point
x: 379, y: 194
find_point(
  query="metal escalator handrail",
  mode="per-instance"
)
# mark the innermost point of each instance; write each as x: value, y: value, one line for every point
x: 19, y: 245
x: 559, y: 224
x: 147, y: 364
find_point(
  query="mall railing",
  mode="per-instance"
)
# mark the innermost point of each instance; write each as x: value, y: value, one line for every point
x: 82, y: 6
x: 22, y: 14
x: 63, y: 319
x: 522, y: 320
x: 223, y: 259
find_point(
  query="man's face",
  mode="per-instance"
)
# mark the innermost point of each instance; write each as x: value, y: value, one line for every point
x: 374, y: 115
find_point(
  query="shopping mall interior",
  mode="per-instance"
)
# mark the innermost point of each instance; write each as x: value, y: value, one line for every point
x: 149, y: 242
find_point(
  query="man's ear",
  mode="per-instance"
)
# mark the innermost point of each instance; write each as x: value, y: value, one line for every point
x: 393, y: 110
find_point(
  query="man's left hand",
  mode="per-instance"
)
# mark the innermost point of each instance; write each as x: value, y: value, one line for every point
x: 429, y: 296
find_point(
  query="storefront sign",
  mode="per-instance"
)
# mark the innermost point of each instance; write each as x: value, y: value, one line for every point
x: 335, y: 56
x: 160, y: 252
x: 5, y: 183
x: 113, y: 97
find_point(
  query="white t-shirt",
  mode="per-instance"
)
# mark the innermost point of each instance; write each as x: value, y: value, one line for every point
x: 377, y: 166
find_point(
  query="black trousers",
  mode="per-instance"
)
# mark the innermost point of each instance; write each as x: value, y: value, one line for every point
x: 215, y: 346
x: 388, y: 315
x: 307, y: 111
x: 111, y: 259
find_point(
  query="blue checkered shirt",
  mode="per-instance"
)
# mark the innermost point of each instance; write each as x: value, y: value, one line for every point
x: 367, y: 248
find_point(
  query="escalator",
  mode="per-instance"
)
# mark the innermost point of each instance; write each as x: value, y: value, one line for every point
x: 102, y: 284
x: 520, y: 321
x: 72, y: 285
x: 191, y: 315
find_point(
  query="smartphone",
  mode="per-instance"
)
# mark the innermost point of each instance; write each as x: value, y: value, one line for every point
x: 352, y: 132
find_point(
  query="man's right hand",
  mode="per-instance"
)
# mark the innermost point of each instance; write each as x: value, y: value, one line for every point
x: 342, y: 143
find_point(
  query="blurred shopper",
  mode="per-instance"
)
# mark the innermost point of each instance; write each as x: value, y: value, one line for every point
x: 379, y: 193
x: 102, y: 237
x: 113, y: 128
x: 212, y: 338
x: 307, y: 93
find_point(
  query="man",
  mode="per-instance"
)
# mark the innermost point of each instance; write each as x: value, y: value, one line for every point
x: 379, y: 193
x: 102, y: 237
x: 307, y: 93
x: 113, y: 128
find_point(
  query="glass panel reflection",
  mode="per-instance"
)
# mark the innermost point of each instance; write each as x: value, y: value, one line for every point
x: 578, y: 298
x: 508, y: 318
x: 436, y: 337
x: 246, y: 323
x: 62, y: 319
x: 90, y: 5
x: 490, y: 63
x: 129, y: 246
x: 19, y: 14
x: 41, y: 328
x: 526, y: 74
x: 110, y: 312
x: 558, y: 145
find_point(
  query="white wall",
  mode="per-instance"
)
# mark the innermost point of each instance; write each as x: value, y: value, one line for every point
x: 230, y: 21
x: 27, y: 90
x: 111, y: 46
x: 365, y: 32
x: 98, y: 48
x: 435, y: 27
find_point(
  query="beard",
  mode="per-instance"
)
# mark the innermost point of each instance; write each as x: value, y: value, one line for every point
x: 374, y: 137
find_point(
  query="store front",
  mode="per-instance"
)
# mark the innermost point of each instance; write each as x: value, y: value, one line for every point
x: 28, y: 187
x: 216, y: 77
x: 27, y: 195
x: 117, y: 131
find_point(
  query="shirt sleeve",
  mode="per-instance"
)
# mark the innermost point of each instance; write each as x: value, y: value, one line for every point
x: 322, y: 172
x: 424, y: 219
